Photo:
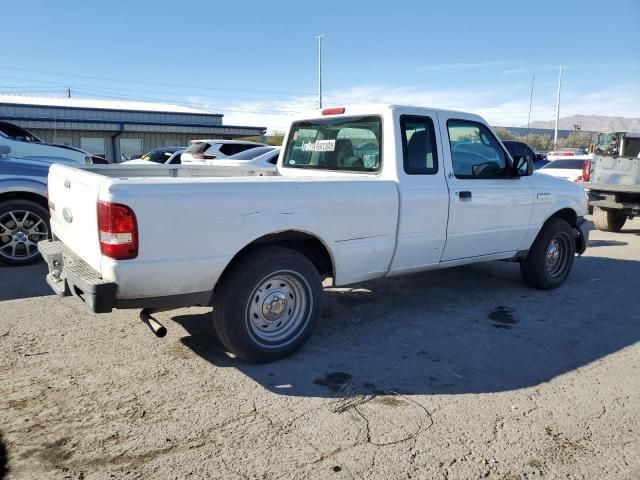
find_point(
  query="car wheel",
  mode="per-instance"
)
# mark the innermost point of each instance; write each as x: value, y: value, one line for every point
x: 549, y: 261
x: 23, y: 224
x: 608, y: 220
x: 267, y: 304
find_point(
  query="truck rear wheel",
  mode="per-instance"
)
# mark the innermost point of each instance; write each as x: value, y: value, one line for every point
x: 549, y: 261
x: 608, y: 220
x: 23, y: 224
x: 266, y: 306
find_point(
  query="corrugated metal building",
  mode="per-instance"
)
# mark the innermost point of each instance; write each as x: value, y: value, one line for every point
x: 116, y: 130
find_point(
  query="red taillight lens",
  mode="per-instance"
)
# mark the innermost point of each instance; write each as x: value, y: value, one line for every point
x: 117, y: 231
x: 586, y: 170
x: 333, y: 111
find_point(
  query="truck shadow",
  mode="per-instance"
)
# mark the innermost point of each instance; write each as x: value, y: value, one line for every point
x: 23, y: 282
x: 471, y: 329
x: 4, y: 460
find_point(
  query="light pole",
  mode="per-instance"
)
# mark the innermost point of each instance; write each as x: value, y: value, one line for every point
x: 319, y: 38
x: 555, y: 135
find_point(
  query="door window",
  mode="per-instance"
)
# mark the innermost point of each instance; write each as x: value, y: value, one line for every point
x: 93, y: 145
x: 475, y: 152
x: 130, y: 148
x: 419, y: 145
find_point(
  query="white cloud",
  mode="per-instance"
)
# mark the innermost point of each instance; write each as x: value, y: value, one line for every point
x: 620, y: 100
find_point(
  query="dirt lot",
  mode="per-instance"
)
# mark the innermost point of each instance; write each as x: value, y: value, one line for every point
x: 464, y: 373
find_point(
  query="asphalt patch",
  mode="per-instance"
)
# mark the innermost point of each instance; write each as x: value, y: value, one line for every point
x: 502, y: 317
x: 334, y: 380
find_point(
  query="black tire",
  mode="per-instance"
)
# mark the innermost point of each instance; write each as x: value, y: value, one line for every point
x: 17, y: 246
x: 542, y: 268
x: 267, y: 282
x: 608, y: 220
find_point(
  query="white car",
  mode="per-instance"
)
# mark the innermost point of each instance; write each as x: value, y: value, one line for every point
x: 568, y: 168
x: 360, y: 193
x: 24, y: 144
x: 264, y: 164
x: 212, y: 149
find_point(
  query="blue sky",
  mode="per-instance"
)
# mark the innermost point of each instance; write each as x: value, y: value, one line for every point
x: 256, y: 61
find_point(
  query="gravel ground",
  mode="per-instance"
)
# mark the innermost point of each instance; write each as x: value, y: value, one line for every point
x: 461, y: 373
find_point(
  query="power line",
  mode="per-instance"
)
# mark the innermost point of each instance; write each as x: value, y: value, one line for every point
x: 142, y: 82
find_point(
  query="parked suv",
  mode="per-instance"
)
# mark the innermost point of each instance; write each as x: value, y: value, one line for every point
x: 211, y: 149
x: 24, y: 144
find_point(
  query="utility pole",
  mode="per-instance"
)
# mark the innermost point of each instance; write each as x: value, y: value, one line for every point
x: 555, y: 135
x: 319, y: 38
x: 533, y: 79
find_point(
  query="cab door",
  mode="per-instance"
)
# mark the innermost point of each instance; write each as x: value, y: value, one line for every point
x: 489, y: 209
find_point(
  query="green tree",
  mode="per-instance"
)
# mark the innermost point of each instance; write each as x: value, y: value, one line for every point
x: 504, y: 134
x: 275, y: 139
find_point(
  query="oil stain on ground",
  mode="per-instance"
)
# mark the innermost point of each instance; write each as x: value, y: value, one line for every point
x: 334, y: 380
x: 502, y: 317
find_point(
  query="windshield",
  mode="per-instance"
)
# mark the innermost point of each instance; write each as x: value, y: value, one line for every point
x: 250, y: 154
x: 565, y: 164
x: 159, y: 155
x: 15, y: 132
x: 339, y: 144
x: 197, y: 147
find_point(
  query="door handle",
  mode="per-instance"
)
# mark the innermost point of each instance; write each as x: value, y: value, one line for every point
x: 464, y: 194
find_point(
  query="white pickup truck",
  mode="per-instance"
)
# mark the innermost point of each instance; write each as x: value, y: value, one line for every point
x: 361, y: 193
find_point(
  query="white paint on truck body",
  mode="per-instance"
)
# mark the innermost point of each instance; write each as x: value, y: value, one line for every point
x: 192, y: 222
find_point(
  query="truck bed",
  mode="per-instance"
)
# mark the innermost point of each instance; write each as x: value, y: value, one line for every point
x: 179, y: 171
x: 615, y: 174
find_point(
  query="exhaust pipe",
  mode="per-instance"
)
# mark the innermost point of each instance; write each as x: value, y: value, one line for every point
x: 156, y: 327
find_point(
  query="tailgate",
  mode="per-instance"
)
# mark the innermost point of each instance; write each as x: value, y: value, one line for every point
x: 73, y: 196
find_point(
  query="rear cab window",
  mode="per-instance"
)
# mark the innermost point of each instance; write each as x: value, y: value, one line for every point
x: 350, y: 144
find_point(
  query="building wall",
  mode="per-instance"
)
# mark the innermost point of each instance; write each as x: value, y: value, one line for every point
x: 149, y: 140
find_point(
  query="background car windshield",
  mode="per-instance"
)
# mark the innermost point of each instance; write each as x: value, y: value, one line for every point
x: 250, y: 154
x: 197, y: 147
x: 343, y: 143
x: 565, y: 164
x: 17, y: 133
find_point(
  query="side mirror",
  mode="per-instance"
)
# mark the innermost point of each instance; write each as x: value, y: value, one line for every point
x: 523, y: 164
x: 5, y: 149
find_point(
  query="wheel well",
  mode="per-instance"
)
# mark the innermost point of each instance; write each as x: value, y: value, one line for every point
x: 570, y: 216
x: 305, y: 243
x: 34, y: 197
x: 566, y: 214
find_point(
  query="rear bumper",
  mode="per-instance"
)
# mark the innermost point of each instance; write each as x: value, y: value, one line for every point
x: 70, y: 275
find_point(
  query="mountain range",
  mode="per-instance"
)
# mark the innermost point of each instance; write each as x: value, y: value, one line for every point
x: 593, y: 123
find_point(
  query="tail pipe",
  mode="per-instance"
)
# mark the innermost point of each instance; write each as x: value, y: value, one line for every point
x: 156, y: 327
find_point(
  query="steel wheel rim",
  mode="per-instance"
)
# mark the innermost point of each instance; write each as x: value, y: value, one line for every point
x: 557, y: 256
x: 278, y: 309
x: 20, y: 232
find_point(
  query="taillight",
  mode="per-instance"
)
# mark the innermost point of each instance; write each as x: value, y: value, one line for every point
x: 586, y: 170
x: 117, y: 231
x: 333, y: 111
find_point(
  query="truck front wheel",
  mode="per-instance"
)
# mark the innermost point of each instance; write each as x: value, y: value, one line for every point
x: 267, y: 304
x: 549, y: 261
x: 608, y: 220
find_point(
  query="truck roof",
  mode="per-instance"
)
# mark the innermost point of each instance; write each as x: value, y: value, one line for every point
x: 376, y: 108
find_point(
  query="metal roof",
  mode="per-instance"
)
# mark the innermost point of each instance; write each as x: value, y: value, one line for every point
x: 100, y: 104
